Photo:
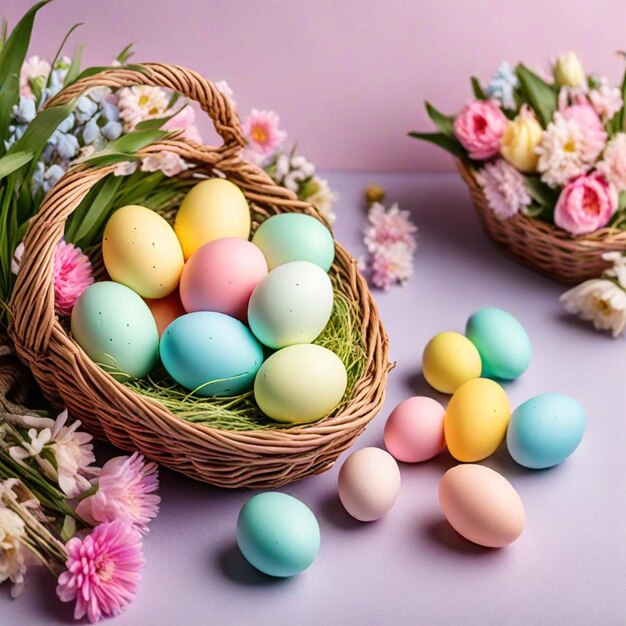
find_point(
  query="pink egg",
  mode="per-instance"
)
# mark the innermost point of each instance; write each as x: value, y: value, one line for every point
x: 165, y: 310
x: 221, y: 275
x: 369, y: 482
x: 414, y: 430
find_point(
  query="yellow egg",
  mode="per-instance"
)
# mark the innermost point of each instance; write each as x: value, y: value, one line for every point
x: 449, y: 360
x: 476, y: 420
x: 213, y: 209
x: 140, y: 250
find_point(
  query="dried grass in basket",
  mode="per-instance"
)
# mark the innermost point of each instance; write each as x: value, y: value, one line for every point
x: 542, y: 246
x: 258, y: 458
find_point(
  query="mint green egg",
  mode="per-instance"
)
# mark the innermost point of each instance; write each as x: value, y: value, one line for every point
x: 295, y: 237
x: 115, y: 328
x: 278, y: 534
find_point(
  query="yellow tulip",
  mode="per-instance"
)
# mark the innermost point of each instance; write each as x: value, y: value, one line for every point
x: 521, y: 136
x: 568, y: 70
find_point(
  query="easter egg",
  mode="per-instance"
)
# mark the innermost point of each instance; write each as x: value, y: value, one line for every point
x: 449, y: 360
x: 476, y: 420
x: 295, y: 237
x: 211, y: 354
x: 369, y: 483
x: 278, y: 534
x: 502, y: 342
x: 141, y: 251
x: 166, y: 310
x: 545, y: 430
x: 300, y: 383
x: 481, y: 505
x: 213, y: 209
x: 221, y: 275
x: 291, y: 305
x: 116, y: 330
x: 414, y: 430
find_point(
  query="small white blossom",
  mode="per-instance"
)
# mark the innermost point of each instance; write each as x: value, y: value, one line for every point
x: 323, y: 199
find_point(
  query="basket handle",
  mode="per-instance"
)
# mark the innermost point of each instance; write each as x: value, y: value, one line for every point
x: 176, y: 78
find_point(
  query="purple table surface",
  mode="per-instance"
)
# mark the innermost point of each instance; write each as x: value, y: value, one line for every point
x: 568, y: 567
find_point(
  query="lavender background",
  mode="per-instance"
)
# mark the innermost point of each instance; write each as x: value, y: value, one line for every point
x: 347, y: 77
x: 569, y: 566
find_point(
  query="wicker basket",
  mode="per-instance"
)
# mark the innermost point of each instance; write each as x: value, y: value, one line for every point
x: 260, y: 459
x: 544, y: 247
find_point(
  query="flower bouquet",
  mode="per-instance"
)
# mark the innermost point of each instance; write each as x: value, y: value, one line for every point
x: 545, y: 160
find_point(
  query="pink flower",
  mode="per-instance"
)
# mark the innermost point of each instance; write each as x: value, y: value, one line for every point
x: 504, y: 188
x: 392, y: 264
x: 479, y: 127
x: 387, y: 227
x: 126, y: 491
x: 103, y: 571
x: 606, y: 100
x: 613, y: 164
x: 263, y: 134
x: 594, y: 135
x: 72, y: 275
x: 585, y: 204
x: 185, y: 120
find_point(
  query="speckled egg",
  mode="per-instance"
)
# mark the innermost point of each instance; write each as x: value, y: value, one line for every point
x: 211, y: 354
x: 481, y: 505
x: 213, y: 209
x: 278, y: 534
x: 300, y: 384
x: 141, y: 251
x: 291, y: 305
x: 502, y: 342
x: 295, y: 237
x: 221, y: 275
x: 545, y: 430
x: 476, y: 420
x: 115, y: 328
x: 369, y: 483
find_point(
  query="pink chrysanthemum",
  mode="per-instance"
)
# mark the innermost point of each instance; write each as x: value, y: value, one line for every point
x: 505, y: 188
x: 387, y: 227
x: 103, y: 571
x: 72, y: 275
x: 126, y: 491
x: 261, y: 129
x: 392, y: 264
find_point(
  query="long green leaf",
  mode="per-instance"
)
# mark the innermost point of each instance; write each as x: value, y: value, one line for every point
x: 99, y: 209
x: 479, y: 92
x: 125, y: 54
x: 41, y: 128
x: 441, y: 140
x: 9, y: 94
x: 74, y: 68
x: 91, y: 71
x: 12, y: 162
x: 441, y: 121
x: 60, y: 49
x: 541, y: 96
x: 540, y: 192
x: 3, y: 32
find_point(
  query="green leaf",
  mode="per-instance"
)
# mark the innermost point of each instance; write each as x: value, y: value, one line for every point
x: 479, y: 92
x: 540, y: 192
x: 99, y: 209
x: 9, y: 94
x: 74, y: 68
x: 134, y: 141
x: 541, y: 96
x: 447, y: 143
x: 622, y: 201
x: 154, y: 124
x: 125, y: 54
x: 441, y: 121
x: 3, y: 32
x: 41, y: 128
x: 12, y: 162
x: 107, y: 158
x: 60, y: 49
x: 91, y: 71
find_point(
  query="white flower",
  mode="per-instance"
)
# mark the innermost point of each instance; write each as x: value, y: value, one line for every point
x: 32, y: 69
x: 605, y: 99
x: 562, y: 152
x: 140, y: 103
x: 14, y: 555
x: 323, y: 199
x: 16, y: 261
x: 125, y: 168
x: 599, y: 301
x: 224, y: 88
x: 32, y: 447
x: 618, y: 270
x: 167, y: 162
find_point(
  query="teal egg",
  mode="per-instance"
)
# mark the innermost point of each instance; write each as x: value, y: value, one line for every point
x: 278, y: 534
x: 502, y: 342
x: 295, y: 237
x: 115, y: 328
x: 211, y: 353
x: 545, y: 430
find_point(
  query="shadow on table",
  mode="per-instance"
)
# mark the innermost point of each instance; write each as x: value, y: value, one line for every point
x: 234, y: 566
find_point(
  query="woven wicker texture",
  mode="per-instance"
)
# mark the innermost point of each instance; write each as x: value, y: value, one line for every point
x: 544, y: 247
x: 259, y: 459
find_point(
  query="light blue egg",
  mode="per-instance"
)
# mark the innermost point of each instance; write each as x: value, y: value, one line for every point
x: 502, y: 342
x: 115, y: 328
x: 545, y: 430
x: 295, y: 237
x: 211, y: 353
x: 278, y: 534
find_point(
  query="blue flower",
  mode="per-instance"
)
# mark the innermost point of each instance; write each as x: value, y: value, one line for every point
x: 112, y: 130
x: 24, y: 111
x: 502, y: 86
x: 85, y: 109
x: 91, y: 132
x: 44, y: 179
x: 66, y: 144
